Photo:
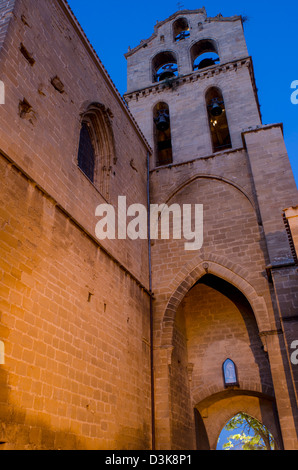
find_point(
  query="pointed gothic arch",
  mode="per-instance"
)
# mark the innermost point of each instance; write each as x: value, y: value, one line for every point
x: 248, y: 425
x: 256, y: 302
x: 96, y: 151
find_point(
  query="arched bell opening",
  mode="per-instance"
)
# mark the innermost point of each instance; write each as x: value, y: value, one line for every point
x: 181, y: 29
x: 204, y: 54
x: 164, y: 66
x: 162, y: 134
x: 218, y: 122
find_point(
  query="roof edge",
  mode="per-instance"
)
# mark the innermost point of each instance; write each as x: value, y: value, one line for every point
x: 82, y: 35
x: 201, y: 11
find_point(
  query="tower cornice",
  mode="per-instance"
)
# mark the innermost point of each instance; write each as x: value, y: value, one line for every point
x: 193, y: 77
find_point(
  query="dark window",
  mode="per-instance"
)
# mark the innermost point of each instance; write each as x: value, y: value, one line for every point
x: 86, y: 158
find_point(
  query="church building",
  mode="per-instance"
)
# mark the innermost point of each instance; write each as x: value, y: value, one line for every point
x: 140, y: 344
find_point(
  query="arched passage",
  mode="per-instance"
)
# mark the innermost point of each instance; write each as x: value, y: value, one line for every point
x: 213, y: 413
x: 208, y: 321
x: 245, y: 432
x: 229, y: 272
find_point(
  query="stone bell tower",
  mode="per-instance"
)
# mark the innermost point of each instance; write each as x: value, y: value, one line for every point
x: 195, y: 75
x: 191, y: 89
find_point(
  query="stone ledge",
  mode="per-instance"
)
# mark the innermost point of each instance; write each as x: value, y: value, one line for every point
x: 190, y: 78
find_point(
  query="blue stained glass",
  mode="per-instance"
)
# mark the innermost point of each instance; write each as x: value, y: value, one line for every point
x: 230, y: 374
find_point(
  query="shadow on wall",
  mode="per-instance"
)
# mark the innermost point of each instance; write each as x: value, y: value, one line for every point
x: 18, y: 431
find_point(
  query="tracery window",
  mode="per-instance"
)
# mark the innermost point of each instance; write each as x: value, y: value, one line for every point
x: 96, y: 152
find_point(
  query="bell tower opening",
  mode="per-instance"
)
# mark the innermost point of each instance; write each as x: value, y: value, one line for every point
x: 218, y: 122
x: 162, y: 133
x: 181, y: 29
x: 164, y: 66
x: 204, y: 54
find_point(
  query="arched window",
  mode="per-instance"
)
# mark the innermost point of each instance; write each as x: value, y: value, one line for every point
x: 204, y: 54
x: 163, y: 139
x: 96, y: 152
x: 2, y: 353
x: 164, y: 66
x: 218, y: 122
x: 230, y: 373
x: 86, y: 157
x: 181, y: 29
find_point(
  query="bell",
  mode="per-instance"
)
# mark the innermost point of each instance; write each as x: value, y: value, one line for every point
x: 168, y: 71
x: 206, y: 63
x: 166, y: 75
x: 162, y: 121
x: 215, y: 108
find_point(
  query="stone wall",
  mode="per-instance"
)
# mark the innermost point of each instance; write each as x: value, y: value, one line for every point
x: 74, y: 315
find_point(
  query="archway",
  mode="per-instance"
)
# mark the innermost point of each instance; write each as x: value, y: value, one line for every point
x: 214, y: 324
x: 244, y: 432
x: 223, y: 269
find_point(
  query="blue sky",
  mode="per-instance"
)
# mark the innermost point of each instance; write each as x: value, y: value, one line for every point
x: 271, y: 35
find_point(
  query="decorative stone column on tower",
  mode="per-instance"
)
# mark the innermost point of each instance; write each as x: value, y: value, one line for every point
x: 192, y: 90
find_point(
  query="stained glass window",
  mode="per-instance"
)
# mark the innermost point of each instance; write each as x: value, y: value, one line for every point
x: 230, y: 373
